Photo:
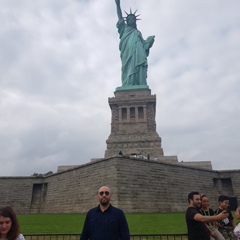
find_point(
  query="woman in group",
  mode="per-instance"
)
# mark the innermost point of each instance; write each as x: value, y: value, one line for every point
x: 237, y: 228
x: 207, y: 211
x: 9, y: 227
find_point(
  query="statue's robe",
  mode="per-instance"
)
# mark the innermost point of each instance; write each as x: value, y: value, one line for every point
x: 133, y: 55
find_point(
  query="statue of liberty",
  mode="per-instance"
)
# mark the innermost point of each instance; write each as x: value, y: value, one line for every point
x: 134, y: 50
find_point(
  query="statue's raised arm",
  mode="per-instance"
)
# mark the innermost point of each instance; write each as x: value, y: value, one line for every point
x: 119, y: 11
x: 134, y: 50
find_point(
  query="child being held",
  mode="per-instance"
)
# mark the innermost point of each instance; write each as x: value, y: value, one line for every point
x: 225, y: 226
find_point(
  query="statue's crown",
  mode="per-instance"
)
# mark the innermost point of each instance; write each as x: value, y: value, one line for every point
x: 131, y: 14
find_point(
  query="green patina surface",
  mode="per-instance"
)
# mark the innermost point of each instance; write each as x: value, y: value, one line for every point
x: 132, y: 87
x: 134, y: 51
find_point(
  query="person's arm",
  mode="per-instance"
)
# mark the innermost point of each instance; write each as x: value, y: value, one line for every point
x: 211, y: 232
x: 237, y: 230
x: 231, y: 219
x: 84, y: 234
x: 233, y: 224
x: 119, y: 11
x: 20, y: 237
x: 123, y: 228
x: 206, y: 219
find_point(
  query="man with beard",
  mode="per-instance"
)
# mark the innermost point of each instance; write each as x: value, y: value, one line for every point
x: 105, y: 222
x: 197, y: 229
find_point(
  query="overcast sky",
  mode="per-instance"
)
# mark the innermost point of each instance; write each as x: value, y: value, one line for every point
x: 59, y: 63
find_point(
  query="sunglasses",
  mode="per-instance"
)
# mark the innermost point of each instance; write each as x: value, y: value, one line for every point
x: 102, y: 193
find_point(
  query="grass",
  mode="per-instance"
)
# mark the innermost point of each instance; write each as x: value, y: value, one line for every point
x: 157, y: 223
x: 139, y: 223
x: 51, y: 223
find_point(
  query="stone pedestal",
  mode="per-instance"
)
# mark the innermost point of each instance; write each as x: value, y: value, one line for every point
x: 133, y: 127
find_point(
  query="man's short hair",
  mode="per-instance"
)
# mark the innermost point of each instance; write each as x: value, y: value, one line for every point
x: 191, y: 194
x: 223, y: 198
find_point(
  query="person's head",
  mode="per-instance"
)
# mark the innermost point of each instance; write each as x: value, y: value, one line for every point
x: 204, y: 201
x: 223, y: 202
x: 237, y: 213
x: 104, y: 195
x: 194, y: 199
x: 9, y: 227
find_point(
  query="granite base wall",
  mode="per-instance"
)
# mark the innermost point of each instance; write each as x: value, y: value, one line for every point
x: 17, y: 192
x: 137, y: 186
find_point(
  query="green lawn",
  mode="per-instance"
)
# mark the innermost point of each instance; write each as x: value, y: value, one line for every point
x: 139, y: 223
x: 154, y: 223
